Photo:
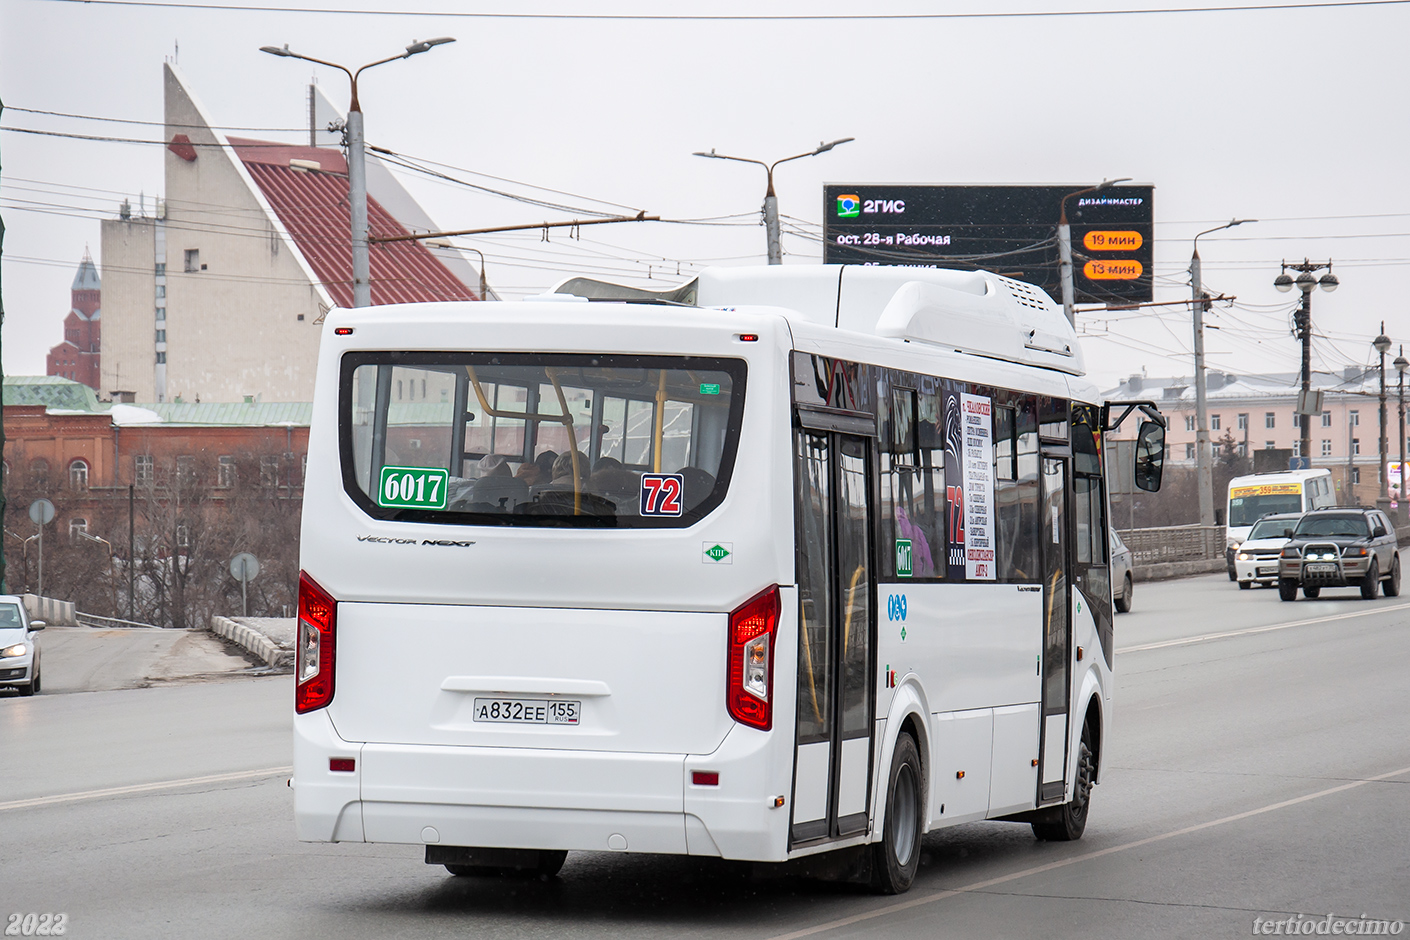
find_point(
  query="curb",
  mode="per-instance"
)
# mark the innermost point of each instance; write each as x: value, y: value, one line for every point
x: 1169, y: 570
x: 253, y: 641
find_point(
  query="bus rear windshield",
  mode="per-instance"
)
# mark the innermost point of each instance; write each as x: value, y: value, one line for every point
x: 533, y: 439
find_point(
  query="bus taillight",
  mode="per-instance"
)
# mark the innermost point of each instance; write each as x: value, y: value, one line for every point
x: 752, y: 628
x: 318, y: 626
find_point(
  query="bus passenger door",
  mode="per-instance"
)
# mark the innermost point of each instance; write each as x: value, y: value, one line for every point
x: 1056, y: 631
x: 832, y: 762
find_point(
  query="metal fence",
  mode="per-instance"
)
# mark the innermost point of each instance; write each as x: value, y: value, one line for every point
x: 1175, y: 543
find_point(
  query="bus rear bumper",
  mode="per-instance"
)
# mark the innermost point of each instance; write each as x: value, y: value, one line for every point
x: 526, y: 798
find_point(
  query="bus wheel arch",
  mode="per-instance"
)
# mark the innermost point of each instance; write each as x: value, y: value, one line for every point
x: 1093, y: 718
x: 896, y: 855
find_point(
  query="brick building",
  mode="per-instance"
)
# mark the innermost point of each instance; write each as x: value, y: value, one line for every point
x: 79, y: 356
x: 198, y: 482
x: 220, y: 292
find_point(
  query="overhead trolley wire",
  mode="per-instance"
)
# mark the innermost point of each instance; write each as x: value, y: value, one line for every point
x: 750, y: 17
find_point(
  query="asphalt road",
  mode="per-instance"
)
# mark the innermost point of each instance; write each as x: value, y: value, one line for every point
x: 1259, y: 766
x: 83, y: 659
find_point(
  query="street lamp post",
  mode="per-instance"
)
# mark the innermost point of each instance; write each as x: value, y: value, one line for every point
x: 1203, y: 457
x: 1065, y: 246
x: 1382, y: 345
x: 484, y: 287
x: 1401, y: 364
x: 357, y: 160
x: 771, y: 227
x: 1302, y: 321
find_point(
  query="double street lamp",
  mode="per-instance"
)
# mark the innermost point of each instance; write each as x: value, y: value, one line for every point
x: 357, y: 159
x: 1302, y: 320
x: 1382, y: 345
x: 771, y: 228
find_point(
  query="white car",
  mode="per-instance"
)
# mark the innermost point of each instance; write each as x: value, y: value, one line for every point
x: 1256, y: 560
x: 19, y: 646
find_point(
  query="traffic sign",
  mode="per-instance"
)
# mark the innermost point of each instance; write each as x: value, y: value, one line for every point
x: 244, y: 567
x: 41, y: 512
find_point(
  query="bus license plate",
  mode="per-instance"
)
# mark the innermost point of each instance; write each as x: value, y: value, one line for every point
x: 1321, y: 569
x: 529, y: 711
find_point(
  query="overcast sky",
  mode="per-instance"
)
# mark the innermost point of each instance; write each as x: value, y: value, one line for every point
x: 1294, y: 117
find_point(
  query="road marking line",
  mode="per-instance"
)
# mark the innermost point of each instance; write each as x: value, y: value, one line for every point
x: 1063, y: 863
x: 1252, y: 630
x: 144, y: 787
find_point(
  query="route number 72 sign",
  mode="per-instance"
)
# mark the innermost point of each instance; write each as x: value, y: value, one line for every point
x: 662, y: 494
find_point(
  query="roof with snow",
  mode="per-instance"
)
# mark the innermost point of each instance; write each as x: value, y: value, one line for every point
x: 1222, y: 386
x: 60, y: 395
x: 313, y: 206
x: 51, y: 391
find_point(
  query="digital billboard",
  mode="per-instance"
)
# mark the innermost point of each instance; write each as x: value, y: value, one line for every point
x: 1010, y: 230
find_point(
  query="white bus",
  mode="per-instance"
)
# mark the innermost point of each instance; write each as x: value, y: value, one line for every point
x: 1256, y: 495
x: 783, y: 561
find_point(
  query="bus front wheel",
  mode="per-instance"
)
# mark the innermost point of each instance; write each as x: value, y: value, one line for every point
x: 1072, y: 817
x: 897, y: 856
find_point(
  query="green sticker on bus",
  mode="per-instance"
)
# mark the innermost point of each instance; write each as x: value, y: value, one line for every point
x: 709, y: 388
x: 903, y: 558
x: 413, y: 488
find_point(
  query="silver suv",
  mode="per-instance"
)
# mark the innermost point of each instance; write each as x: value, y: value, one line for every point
x: 1346, y: 547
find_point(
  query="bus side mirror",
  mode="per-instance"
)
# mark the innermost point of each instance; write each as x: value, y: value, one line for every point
x: 1150, y: 456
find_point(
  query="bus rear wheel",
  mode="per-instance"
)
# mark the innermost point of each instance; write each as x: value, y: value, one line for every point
x: 897, y: 856
x: 1072, y: 817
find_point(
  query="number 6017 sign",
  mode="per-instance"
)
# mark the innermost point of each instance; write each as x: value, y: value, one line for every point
x: 412, y: 487
x: 662, y: 494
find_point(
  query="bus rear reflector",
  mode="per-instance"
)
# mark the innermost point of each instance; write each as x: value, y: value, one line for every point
x: 317, y: 633
x: 749, y: 689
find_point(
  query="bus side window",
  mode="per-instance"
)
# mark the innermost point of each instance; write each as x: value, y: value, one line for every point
x: 1016, y: 490
x: 912, y: 476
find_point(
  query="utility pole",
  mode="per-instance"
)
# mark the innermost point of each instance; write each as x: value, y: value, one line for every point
x: 1307, y: 403
x: 131, y: 550
x: 357, y: 160
x: 1064, y: 240
x: 1401, y: 364
x: 1199, y: 304
x: 771, y: 226
x: 1382, y: 345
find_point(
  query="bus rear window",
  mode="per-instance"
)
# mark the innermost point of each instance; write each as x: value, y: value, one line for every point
x: 539, y: 439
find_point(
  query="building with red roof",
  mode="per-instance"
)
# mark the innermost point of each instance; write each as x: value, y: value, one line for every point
x: 219, y: 292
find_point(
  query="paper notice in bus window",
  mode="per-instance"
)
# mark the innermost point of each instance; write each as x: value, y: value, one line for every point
x: 977, y: 435
x: 662, y: 494
x: 412, y: 488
